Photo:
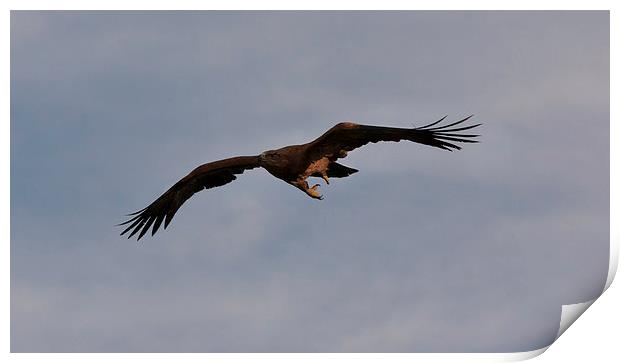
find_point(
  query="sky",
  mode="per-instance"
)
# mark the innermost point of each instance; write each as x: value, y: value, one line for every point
x: 423, y: 250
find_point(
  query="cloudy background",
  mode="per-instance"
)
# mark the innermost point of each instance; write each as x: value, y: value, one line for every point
x: 422, y: 251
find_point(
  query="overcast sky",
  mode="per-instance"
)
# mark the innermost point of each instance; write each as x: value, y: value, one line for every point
x: 423, y: 250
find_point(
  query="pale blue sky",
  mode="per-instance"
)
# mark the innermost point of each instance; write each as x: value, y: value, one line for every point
x: 421, y: 251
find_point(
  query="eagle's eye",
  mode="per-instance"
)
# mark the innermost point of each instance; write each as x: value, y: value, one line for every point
x: 270, y: 155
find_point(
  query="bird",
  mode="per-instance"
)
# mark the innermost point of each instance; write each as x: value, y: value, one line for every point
x: 294, y: 164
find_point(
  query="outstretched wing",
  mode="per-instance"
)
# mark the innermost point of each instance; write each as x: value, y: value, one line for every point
x: 206, y: 176
x: 346, y: 136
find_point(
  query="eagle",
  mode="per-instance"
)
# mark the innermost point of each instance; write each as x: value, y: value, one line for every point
x: 294, y: 164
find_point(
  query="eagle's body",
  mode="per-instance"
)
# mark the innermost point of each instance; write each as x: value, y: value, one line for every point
x: 294, y: 164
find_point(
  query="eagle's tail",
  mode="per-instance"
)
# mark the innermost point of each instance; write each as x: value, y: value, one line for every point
x: 335, y: 170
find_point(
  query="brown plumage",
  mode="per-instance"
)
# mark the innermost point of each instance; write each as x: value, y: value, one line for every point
x: 293, y: 164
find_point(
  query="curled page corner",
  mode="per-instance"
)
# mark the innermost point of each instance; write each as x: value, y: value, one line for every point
x: 570, y: 313
x: 521, y: 356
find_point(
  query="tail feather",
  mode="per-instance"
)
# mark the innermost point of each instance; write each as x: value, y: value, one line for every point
x: 336, y: 170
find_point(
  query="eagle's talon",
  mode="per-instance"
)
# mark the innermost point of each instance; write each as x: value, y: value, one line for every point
x: 314, y: 193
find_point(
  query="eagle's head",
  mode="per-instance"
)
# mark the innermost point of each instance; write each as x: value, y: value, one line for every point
x: 270, y: 157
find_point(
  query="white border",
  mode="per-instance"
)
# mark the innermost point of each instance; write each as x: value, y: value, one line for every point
x: 569, y: 312
x: 309, y: 5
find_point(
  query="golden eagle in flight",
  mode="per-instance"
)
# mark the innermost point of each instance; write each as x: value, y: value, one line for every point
x: 293, y: 164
